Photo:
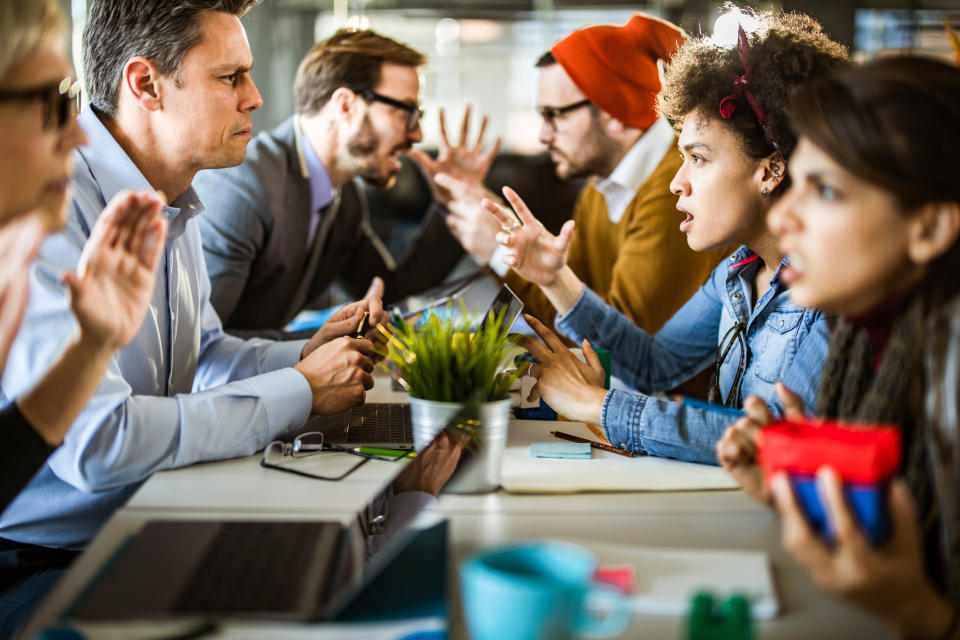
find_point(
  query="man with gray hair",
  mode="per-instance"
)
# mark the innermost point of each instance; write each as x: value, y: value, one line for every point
x: 171, y: 94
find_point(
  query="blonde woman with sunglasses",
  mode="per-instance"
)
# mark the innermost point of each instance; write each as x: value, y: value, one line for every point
x: 109, y: 290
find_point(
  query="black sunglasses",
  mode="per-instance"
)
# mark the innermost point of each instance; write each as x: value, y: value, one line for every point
x: 414, y: 112
x: 60, y: 101
x: 550, y: 114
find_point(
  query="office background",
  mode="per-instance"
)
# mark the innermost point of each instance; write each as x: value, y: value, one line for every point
x: 482, y: 51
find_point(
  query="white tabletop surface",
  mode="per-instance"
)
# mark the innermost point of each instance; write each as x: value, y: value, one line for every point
x: 697, y: 519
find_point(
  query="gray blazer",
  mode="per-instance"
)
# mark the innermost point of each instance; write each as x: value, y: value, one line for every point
x: 255, y: 230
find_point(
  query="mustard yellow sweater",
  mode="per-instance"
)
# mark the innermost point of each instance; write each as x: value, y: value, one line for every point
x: 640, y: 265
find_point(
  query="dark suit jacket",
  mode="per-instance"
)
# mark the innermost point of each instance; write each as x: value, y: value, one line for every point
x: 255, y: 230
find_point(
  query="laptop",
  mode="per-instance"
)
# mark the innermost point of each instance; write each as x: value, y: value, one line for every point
x: 388, y: 425
x: 437, y: 296
x: 278, y: 570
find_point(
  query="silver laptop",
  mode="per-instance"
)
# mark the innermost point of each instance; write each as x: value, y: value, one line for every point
x: 284, y: 570
x: 388, y: 425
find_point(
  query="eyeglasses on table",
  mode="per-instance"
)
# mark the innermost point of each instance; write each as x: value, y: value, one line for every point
x: 312, y: 443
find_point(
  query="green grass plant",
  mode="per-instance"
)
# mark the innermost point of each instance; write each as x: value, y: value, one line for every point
x: 446, y: 360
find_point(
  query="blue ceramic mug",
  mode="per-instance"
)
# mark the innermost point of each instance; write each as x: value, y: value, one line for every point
x: 538, y: 589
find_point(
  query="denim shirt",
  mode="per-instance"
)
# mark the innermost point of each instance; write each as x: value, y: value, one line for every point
x: 784, y: 342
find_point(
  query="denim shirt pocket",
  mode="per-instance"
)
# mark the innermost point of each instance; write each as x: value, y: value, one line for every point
x: 777, y: 344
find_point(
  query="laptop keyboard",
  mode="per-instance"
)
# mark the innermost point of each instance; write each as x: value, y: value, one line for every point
x: 387, y: 423
x: 252, y: 567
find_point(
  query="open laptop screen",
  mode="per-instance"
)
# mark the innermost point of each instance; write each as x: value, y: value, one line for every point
x: 276, y: 569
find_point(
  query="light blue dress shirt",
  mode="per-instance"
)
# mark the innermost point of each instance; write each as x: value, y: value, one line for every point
x: 783, y: 342
x: 181, y: 392
x: 321, y: 187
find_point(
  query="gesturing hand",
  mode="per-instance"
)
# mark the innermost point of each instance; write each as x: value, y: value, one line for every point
x: 18, y: 245
x: 346, y: 320
x: 535, y: 254
x: 468, y: 221
x: 339, y: 373
x: 737, y: 449
x: 111, y: 289
x: 573, y: 388
x: 461, y: 161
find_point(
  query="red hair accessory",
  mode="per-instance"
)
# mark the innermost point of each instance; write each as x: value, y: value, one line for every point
x: 729, y: 104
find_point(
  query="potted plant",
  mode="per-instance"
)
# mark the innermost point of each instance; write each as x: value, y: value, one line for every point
x: 452, y: 368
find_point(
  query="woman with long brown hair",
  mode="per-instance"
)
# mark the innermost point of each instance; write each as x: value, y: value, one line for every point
x: 871, y: 226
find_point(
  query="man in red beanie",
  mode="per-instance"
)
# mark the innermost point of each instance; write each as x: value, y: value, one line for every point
x: 597, y: 97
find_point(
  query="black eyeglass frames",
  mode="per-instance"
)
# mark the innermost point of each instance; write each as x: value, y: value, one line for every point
x: 414, y: 112
x: 550, y: 114
x: 311, y: 443
x: 59, y: 101
x: 734, y: 335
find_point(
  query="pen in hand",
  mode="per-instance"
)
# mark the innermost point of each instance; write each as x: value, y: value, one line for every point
x: 362, y: 327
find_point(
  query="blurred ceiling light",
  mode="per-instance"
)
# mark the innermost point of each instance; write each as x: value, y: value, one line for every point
x: 480, y: 31
x: 725, y: 28
x: 447, y: 31
x: 357, y: 21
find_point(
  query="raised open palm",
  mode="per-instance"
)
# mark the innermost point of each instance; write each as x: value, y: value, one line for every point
x: 111, y: 289
x: 463, y: 161
x: 535, y: 254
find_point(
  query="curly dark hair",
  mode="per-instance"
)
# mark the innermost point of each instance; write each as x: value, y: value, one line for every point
x: 785, y: 50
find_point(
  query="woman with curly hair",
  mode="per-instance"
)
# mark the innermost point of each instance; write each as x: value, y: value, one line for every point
x: 729, y: 103
x: 871, y: 225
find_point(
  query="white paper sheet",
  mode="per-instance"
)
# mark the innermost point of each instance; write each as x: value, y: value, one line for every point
x: 604, y: 471
x: 666, y: 579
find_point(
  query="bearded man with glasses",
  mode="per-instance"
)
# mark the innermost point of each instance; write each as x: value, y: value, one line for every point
x: 292, y: 220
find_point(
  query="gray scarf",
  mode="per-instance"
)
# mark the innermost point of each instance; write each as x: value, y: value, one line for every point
x: 896, y: 393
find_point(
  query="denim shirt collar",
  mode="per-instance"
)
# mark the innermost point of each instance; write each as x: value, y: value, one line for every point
x: 742, y: 267
x: 114, y: 171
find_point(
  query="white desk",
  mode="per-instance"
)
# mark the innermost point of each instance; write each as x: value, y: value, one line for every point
x: 712, y: 519
x: 806, y: 612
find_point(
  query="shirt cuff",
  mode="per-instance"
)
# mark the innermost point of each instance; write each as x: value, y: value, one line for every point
x: 287, y: 397
x: 620, y: 418
x: 283, y: 354
x: 496, y: 261
x: 583, y: 318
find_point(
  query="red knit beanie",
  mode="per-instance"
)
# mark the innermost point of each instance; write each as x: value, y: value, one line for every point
x: 616, y: 67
